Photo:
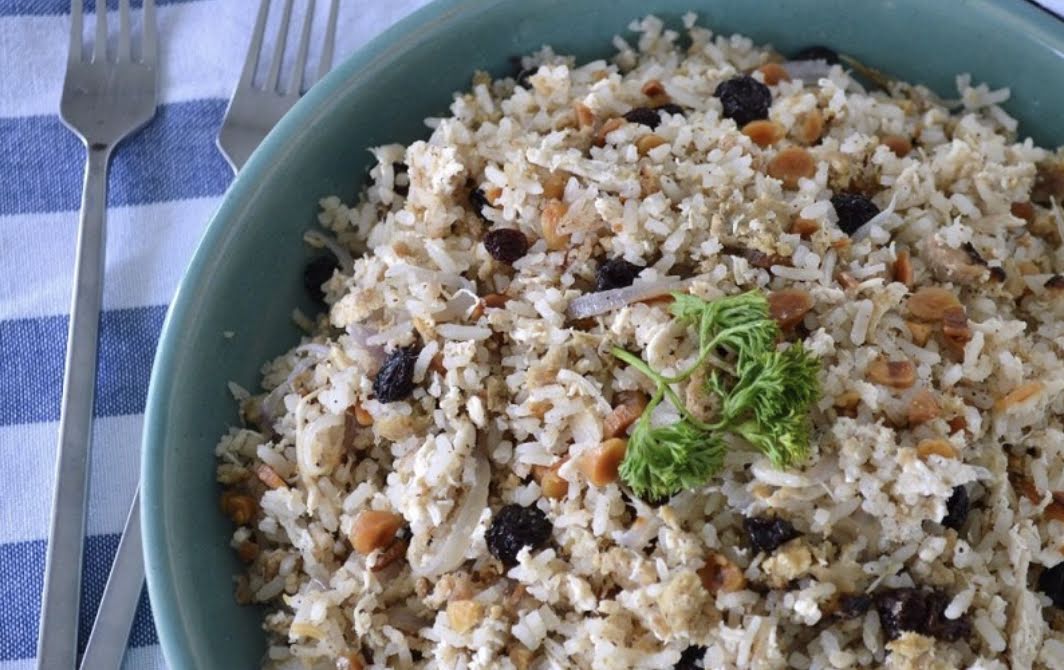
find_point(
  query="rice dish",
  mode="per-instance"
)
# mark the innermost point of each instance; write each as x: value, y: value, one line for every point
x: 435, y: 477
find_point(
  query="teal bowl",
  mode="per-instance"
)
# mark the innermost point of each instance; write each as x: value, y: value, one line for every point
x: 246, y: 274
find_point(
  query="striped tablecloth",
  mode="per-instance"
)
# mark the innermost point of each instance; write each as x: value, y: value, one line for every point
x: 165, y: 183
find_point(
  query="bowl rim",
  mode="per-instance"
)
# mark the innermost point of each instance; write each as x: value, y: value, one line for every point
x: 1027, y: 17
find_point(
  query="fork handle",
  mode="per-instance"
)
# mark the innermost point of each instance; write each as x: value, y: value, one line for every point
x: 57, y: 641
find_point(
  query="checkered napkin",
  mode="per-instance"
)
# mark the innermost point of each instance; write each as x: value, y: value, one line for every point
x: 165, y: 182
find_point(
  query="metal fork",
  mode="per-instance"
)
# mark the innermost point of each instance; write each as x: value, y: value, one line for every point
x: 253, y: 110
x: 104, y: 100
x: 251, y: 114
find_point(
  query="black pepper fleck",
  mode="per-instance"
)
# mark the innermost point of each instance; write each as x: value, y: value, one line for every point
x: 395, y: 379
x: 854, y: 210
x: 515, y: 527
x: 767, y: 533
x: 744, y: 99
x: 506, y: 245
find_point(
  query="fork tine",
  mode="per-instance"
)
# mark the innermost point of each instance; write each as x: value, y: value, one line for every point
x: 76, y: 13
x: 295, y: 87
x: 251, y: 61
x: 123, y: 32
x: 149, y: 50
x: 278, y: 52
x: 330, y: 39
x: 99, y: 49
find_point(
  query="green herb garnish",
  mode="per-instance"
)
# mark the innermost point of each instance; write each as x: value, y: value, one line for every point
x: 765, y: 397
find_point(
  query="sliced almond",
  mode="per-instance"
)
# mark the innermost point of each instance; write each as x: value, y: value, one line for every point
x: 804, y: 227
x: 269, y: 477
x: 550, y: 482
x: 602, y: 463
x: 764, y: 133
x: 935, y: 447
x: 719, y: 575
x: 955, y: 325
x: 810, y: 127
x: 923, y: 407
x: 790, y: 165
x: 1021, y: 394
x: 648, y: 142
x: 464, y: 615
x: 608, y: 127
x: 774, y: 73
x: 896, y: 374
x: 585, y: 118
x: 373, y: 530
x: 789, y: 306
x: 554, y: 185
x: 931, y: 302
x: 919, y: 331
x: 627, y: 409
x: 899, y: 144
x: 903, y: 268
x: 653, y: 88
x: 550, y: 221
x: 1023, y: 210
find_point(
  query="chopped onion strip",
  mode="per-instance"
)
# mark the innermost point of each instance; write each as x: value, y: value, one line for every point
x: 457, y: 536
x: 601, y: 302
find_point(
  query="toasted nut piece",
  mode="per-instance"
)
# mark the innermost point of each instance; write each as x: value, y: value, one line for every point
x: 955, y: 325
x: 247, y: 551
x: 495, y: 300
x: 350, y: 661
x: 539, y: 408
x: 903, y: 268
x: 373, y: 530
x: 608, y: 127
x: 1028, y: 268
x: 790, y: 165
x: 392, y: 553
x: 810, y: 128
x: 774, y: 73
x: 804, y: 227
x: 585, y: 118
x: 550, y: 482
x: 269, y: 476
x: 721, y: 575
x: 1055, y: 511
x: 492, y: 195
x: 846, y: 280
x: 649, y: 183
x: 600, y: 465
x: 935, y: 447
x: 920, y: 332
x: 763, y: 132
x: 363, y: 417
x: 629, y: 406
x: 896, y: 374
x: 549, y: 220
x: 1023, y: 210
x: 930, y: 303
x: 923, y: 407
x: 848, y: 399
x: 956, y: 423
x: 649, y: 141
x: 464, y: 615
x: 554, y: 185
x: 653, y: 88
x: 240, y: 508
x: 789, y: 306
x: 521, y: 657
x: 1019, y: 395
x: 899, y: 144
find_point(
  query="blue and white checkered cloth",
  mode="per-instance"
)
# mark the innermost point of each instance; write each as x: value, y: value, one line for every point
x: 165, y: 182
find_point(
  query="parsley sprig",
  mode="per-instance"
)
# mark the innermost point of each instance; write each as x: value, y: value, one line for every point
x: 764, y: 397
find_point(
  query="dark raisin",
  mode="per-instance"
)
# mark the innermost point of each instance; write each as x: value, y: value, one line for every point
x: 767, y: 533
x: 506, y: 245
x: 817, y: 52
x: 644, y: 115
x: 318, y: 271
x: 616, y: 273
x: 671, y: 108
x: 692, y: 658
x: 395, y: 379
x: 920, y: 611
x: 956, y: 509
x: 401, y: 179
x: 1051, y: 583
x: 515, y: 527
x: 744, y: 99
x: 853, y: 605
x: 854, y: 210
x: 478, y: 201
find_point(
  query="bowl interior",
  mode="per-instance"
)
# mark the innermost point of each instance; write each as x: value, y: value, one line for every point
x: 246, y: 276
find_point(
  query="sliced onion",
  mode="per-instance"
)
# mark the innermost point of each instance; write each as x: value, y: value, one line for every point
x: 361, y: 336
x: 347, y: 262
x: 809, y: 71
x: 601, y: 302
x: 282, y: 389
x: 458, y: 535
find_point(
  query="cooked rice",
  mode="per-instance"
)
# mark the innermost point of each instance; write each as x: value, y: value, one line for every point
x: 522, y: 385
